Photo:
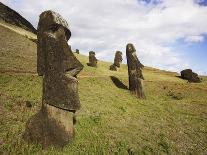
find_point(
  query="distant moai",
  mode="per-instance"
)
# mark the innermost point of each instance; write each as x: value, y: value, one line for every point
x: 134, y: 72
x: 117, y: 61
x: 118, y: 58
x: 92, y: 59
x: 54, y: 124
x: 77, y: 51
x: 113, y: 67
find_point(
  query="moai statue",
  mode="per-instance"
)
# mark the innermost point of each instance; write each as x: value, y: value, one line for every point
x: 77, y: 51
x: 134, y: 72
x: 54, y: 124
x: 189, y: 75
x: 92, y: 59
x: 113, y: 67
x: 117, y: 60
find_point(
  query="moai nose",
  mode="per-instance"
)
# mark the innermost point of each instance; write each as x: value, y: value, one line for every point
x: 60, y: 33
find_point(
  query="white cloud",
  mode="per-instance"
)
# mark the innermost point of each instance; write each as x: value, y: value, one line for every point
x: 107, y: 26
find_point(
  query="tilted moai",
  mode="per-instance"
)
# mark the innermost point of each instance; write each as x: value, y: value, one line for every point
x: 134, y: 72
x: 117, y: 61
x: 54, y: 124
x: 92, y: 59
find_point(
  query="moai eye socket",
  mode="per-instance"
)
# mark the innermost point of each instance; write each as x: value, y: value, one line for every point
x: 54, y: 27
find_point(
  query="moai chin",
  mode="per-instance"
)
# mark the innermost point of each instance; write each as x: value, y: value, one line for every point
x: 117, y: 60
x: 59, y: 68
x: 92, y: 59
x: 134, y: 72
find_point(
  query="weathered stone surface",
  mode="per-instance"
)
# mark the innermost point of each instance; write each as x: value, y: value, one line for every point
x: 189, y: 75
x: 117, y: 60
x: 113, y: 67
x: 92, y: 59
x: 57, y: 63
x: 53, y: 125
x: 134, y: 72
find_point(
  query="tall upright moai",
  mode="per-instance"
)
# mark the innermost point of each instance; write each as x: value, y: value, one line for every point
x: 134, y: 72
x: 54, y: 124
x: 117, y: 61
x: 92, y: 59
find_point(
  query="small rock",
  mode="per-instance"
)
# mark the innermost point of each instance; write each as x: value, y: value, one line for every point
x: 130, y: 151
x: 28, y: 104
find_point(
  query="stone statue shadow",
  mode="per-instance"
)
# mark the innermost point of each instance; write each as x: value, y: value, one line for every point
x: 179, y: 76
x: 118, y: 83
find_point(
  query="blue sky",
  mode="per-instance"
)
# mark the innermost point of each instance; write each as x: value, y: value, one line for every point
x: 196, y: 54
x: 168, y: 34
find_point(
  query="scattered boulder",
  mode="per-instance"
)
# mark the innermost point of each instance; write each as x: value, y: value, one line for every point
x: 54, y: 124
x: 134, y: 72
x: 189, y: 75
x: 92, y: 59
x: 28, y: 104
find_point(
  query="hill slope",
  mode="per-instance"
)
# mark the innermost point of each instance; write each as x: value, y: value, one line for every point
x: 172, y: 120
x: 12, y: 17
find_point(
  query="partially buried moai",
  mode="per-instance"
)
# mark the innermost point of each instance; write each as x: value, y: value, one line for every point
x: 117, y: 61
x: 134, y: 72
x: 54, y: 124
x: 92, y: 59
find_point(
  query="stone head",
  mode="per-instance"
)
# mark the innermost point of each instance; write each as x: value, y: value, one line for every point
x: 118, y: 58
x: 52, y: 30
x: 92, y: 53
x: 53, y: 23
x: 130, y: 48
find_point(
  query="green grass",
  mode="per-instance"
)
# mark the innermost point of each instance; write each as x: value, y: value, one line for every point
x: 172, y: 120
x: 111, y: 120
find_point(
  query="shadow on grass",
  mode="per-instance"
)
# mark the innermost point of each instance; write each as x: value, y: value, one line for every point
x: 118, y: 83
x: 178, y: 76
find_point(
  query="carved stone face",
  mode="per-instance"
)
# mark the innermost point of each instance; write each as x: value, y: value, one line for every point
x: 51, y: 21
x: 130, y: 48
x: 92, y: 59
x: 57, y: 63
x: 51, y: 25
x: 133, y: 61
x: 92, y: 53
x: 118, y: 58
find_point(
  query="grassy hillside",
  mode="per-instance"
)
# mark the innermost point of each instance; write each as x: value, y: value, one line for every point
x: 172, y: 120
